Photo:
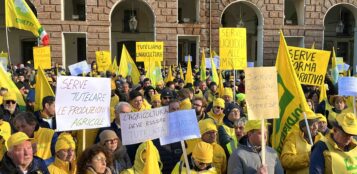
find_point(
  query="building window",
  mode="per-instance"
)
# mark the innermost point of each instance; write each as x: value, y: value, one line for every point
x: 294, y: 12
x: 295, y: 41
x: 74, y: 10
x: 75, y: 46
x: 188, y: 11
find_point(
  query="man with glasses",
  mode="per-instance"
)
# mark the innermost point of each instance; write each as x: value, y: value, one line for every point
x: 9, y: 108
x: 216, y: 112
x: 338, y: 151
x: 166, y: 96
x: 199, y: 104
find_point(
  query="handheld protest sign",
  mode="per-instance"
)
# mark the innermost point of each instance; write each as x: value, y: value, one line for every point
x: 103, y: 60
x: 79, y: 68
x: 347, y: 86
x: 42, y: 57
x: 310, y: 64
x: 149, y: 51
x: 142, y: 126
x: 261, y: 93
x: 82, y: 103
x: 233, y: 48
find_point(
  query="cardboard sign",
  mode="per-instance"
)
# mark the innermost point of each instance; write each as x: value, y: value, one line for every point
x: 233, y: 48
x: 347, y: 86
x: 4, y: 61
x: 138, y: 127
x: 42, y: 57
x: 182, y: 125
x: 149, y: 51
x: 103, y: 60
x: 79, y: 68
x: 82, y: 103
x: 261, y: 93
x: 310, y: 64
x: 215, y: 61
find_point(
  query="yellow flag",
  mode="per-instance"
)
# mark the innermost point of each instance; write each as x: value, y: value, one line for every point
x: 154, y: 72
x: 169, y: 76
x: 313, y: 46
x: 152, y: 159
x: 6, y: 82
x: 19, y: 15
x: 292, y: 102
x: 128, y: 67
x: 42, y: 89
x: 215, y: 77
x: 189, y: 76
x: 181, y: 73
x: 203, y: 67
x: 114, y: 67
x: 220, y: 86
x: 334, y: 72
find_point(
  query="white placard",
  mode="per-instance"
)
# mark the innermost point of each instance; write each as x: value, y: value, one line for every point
x: 250, y: 64
x: 82, y: 103
x: 347, y: 86
x: 138, y: 127
x: 215, y: 60
x: 346, y: 67
x: 79, y: 68
x: 182, y: 125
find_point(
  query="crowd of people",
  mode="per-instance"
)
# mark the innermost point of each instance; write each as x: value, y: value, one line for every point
x: 229, y: 143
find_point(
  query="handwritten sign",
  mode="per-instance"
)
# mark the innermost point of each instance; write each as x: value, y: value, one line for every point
x: 149, y: 51
x: 79, y: 68
x: 142, y: 126
x: 310, y: 64
x: 82, y: 103
x: 261, y: 93
x: 233, y: 48
x: 182, y: 125
x: 347, y: 86
x: 42, y: 57
x: 4, y: 60
x: 215, y: 61
x: 103, y: 60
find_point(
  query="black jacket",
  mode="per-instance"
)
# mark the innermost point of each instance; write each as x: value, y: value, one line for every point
x: 37, y: 166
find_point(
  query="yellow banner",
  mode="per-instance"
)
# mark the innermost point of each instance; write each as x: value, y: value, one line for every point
x: 310, y: 64
x: 261, y: 89
x: 149, y: 51
x: 233, y: 48
x: 42, y: 57
x: 103, y: 60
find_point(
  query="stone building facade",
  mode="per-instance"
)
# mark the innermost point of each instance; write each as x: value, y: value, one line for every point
x: 312, y: 21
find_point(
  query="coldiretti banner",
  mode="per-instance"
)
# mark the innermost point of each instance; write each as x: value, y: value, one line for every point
x: 103, y: 60
x: 149, y: 51
x: 310, y: 65
x: 233, y: 48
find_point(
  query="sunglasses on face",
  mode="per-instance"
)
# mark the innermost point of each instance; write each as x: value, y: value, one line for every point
x: 10, y: 102
x: 217, y: 107
x: 166, y: 98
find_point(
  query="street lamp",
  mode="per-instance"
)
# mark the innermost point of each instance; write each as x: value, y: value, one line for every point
x: 340, y: 26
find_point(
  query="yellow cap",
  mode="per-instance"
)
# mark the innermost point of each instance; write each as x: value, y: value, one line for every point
x: 310, y: 115
x: 348, y: 122
x: 10, y: 96
x: 322, y: 118
x: 253, y: 124
x: 218, y: 102
x: 228, y: 92
x: 203, y: 152
x: 207, y: 125
x: 16, y: 139
x: 155, y: 97
x: 185, y: 104
x: 49, y: 79
x: 159, y: 83
x: 65, y: 141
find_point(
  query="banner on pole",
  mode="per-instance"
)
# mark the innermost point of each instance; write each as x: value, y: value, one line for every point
x: 233, y: 48
x: 79, y: 68
x: 182, y: 125
x: 103, y: 60
x: 347, y: 86
x: 82, y: 103
x: 310, y: 64
x: 142, y: 126
x: 262, y: 93
x: 149, y: 51
x: 42, y: 57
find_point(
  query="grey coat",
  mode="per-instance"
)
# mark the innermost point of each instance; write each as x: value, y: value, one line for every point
x: 246, y: 160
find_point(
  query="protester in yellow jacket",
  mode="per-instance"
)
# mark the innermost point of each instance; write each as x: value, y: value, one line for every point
x: 216, y: 112
x: 339, y: 106
x: 44, y: 138
x: 295, y: 156
x: 137, y: 102
x: 65, y: 162
x: 212, y: 93
x: 200, y: 161
x: 337, y: 152
x: 5, y: 133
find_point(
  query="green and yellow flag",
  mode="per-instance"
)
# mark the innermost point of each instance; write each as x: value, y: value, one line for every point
x: 203, y: 67
x: 6, y: 82
x: 42, y: 89
x: 19, y: 15
x: 189, y: 76
x: 114, y: 66
x: 128, y: 67
x: 292, y: 101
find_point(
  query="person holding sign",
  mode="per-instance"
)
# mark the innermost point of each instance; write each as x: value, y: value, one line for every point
x: 247, y: 157
x: 337, y: 152
x: 200, y: 161
x: 295, y: 156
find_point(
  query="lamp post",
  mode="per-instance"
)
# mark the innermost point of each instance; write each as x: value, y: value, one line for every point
x: 133, y: 23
